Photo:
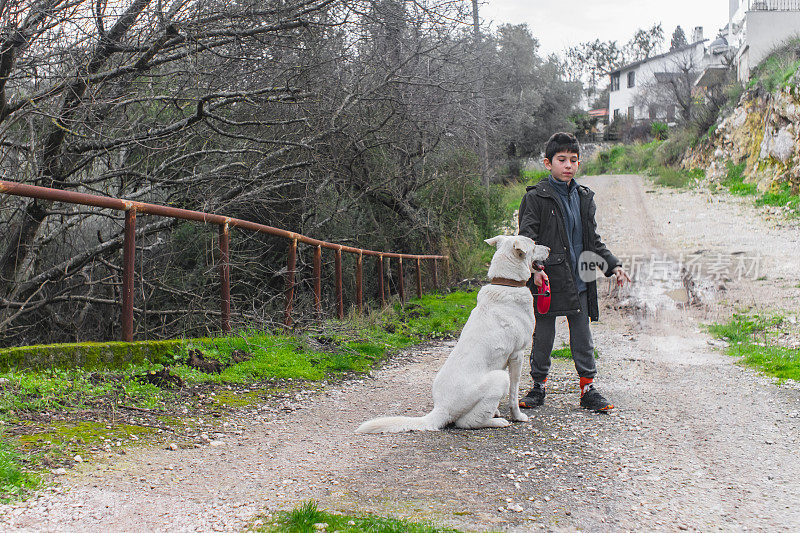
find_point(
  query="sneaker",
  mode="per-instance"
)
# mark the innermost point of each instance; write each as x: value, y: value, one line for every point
x: 594, y: 401
x: 535, y: 396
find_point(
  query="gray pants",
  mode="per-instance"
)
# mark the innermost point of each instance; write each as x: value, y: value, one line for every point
x: 580, y: 343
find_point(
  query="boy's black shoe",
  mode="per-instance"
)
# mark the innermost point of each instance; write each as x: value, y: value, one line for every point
x: 535, y: 397
x: 594, y: 401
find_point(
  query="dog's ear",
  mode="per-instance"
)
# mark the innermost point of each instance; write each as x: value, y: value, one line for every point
x: 494, y: 241
x: 521, y: 248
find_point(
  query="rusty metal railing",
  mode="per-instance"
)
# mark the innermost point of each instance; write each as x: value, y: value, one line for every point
x: 132, y: 209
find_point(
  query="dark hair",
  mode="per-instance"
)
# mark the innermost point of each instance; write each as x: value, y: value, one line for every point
x: 561, y: 142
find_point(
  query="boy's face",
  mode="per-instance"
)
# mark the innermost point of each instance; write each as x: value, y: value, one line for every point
x: 564, y: 166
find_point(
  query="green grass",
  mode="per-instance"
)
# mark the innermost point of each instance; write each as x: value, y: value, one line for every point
x: 335, y: 348
x: 754, y: 340
x: 58, y: 389
x: 644, y: 158
x: 511, y: 198
x: 778, y: 69
x: 562, y: 353
x: 354, y: 345
x: 302, y: 519
x: 624, y: 159
x: 734, y: 181
x: 15, y: 480
x: 565, y: 353
x: 781, y: 197
x: 511, y: 195
x: 677, y: 178
x: 532, y: 177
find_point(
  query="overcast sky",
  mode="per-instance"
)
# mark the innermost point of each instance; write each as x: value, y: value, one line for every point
x: 560, y: 24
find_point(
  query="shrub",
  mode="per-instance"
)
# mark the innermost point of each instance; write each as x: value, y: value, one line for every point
x: 672, y: 177
x: 677, y: 178
x: 624, y: 159
x: 659, y: 130
x: 671, y: 151
x: 777, y: 70
x: 514, y: 169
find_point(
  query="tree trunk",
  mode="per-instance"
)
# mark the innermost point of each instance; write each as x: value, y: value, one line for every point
x: 30, y: 219
x: 483, y: 143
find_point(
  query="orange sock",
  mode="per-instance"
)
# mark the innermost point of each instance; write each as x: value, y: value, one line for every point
x: 585, y: 382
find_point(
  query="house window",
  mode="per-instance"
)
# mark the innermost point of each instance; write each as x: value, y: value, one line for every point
x: 630, y: 113
x: 631, y: 78
x: 652, y: 112
x: 616, y: 114
x: 671, y: 113
x: 615, y: 81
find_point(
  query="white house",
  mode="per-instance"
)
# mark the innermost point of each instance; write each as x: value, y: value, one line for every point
x: 629, y: 83
x: 756, y: 27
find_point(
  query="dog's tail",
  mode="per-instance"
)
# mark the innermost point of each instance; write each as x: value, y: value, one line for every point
x: 433, y: 421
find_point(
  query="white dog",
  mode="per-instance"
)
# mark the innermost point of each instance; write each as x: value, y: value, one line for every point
x: 497, y: 336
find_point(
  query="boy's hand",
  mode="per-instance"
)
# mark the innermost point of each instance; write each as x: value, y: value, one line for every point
x: 539, y: 278
x: 622, y: 276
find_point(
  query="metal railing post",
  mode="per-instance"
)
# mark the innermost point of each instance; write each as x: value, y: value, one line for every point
x: 291, y: 263
x: 401, y: 281
x: 339, y: 302
x: 128, y: 265
x: 419, y: 278
x: 318, y: 279
x: 359, y: 285
x: 225, y: 276
x: 436, y: 274
x: 380, y: 281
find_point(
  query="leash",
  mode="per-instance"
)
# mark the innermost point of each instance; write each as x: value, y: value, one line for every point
x: 543, y: 298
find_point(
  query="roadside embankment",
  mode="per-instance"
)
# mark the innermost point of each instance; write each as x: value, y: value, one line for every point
x: 61, y: 405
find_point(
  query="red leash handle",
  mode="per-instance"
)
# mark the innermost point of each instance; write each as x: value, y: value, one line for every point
x: 543, y: 298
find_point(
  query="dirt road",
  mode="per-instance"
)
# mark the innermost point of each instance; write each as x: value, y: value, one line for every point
x: 696, y: 443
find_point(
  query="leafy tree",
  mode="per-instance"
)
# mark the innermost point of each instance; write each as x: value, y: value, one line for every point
x: 678, y: 39
x: 350, y: 120
x: 645, y: 43
x: 528, y: 98
x: 601, y: 99
x: 590, y: 62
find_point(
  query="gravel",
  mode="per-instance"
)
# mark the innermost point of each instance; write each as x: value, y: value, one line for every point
x: 696, y: 442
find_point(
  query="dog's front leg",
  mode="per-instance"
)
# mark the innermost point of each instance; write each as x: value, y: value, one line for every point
x: 514, y: 373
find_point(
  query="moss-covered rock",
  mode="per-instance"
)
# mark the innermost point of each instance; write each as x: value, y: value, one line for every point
x: 90, y: 355
x: 761, y: 131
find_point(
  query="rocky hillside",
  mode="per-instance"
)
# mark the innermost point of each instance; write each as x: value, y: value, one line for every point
x: 762, y: 131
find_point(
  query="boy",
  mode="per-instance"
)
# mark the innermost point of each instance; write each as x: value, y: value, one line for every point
x: 560, y: 214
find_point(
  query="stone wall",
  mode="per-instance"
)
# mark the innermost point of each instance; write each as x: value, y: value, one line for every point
x: 763, y: 131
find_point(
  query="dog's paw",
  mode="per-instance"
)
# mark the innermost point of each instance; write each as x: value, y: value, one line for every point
x: 499, y: 423
x: 520, y: 417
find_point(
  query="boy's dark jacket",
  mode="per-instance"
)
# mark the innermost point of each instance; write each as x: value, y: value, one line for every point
x: 541, y: 218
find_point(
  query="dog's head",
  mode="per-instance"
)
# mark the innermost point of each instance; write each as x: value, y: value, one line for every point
x: 516, y: 257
